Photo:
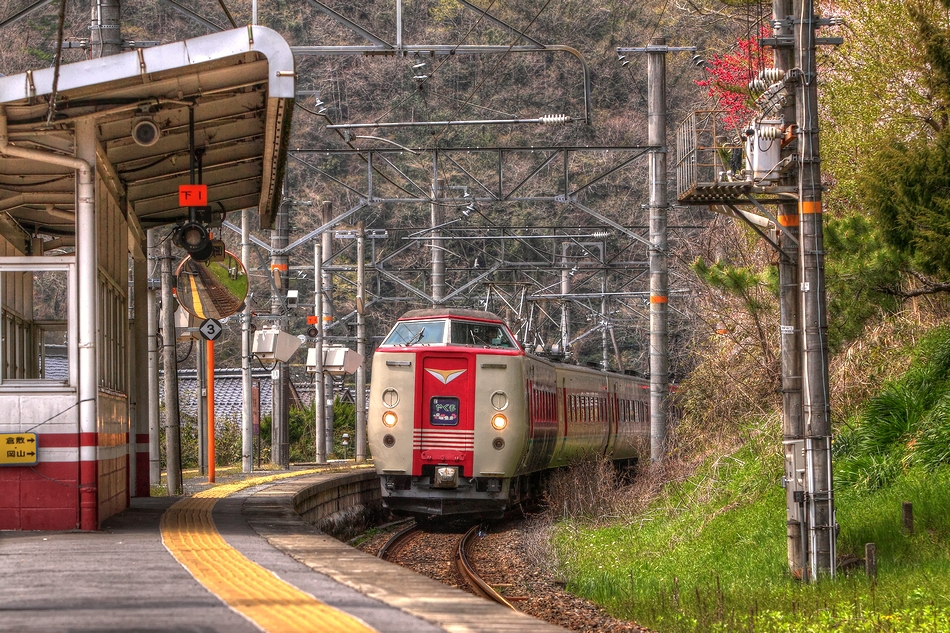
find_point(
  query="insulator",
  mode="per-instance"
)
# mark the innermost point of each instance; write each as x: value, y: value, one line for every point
x: 770, y: 132
x: 555, y: 119
x: 757, y: 86
x: 771, y: 75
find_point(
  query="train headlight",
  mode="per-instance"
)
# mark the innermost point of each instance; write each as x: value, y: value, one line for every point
x: 499, y: 422
x: 389, y: 419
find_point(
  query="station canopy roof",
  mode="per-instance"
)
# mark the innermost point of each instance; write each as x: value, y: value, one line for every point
x: 240, y: 86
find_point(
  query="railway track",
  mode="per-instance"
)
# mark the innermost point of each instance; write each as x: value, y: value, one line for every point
x: 467, y: 572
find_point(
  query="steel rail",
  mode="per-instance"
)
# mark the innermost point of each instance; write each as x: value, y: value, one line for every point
x: 471, y: 576
x: 397, y: 540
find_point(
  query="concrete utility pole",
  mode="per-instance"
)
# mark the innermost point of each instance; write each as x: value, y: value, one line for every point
x: 105, y: 34
x: 438, y: 218
x: 320, y: 392
x: 659, y: 257
x: 170, y: 359
x: 247, y: 406
x: 360, y: 399
x: 327, y: 280
x: 790, y: 326
x: 280, y: 396
x: 566, y: 271
x: 819, y: 498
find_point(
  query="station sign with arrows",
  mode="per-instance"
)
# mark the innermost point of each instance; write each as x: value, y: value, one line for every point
x: 18, y: 449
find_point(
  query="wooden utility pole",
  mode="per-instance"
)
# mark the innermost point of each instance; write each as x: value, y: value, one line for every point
x: 819, y: 498
x: 659, y: 249
x: 170, y: 360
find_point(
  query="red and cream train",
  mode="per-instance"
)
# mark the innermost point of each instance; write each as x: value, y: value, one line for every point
x: 462, y: 420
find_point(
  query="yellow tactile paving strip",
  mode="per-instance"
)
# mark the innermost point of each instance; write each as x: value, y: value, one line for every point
x: 276, y: 606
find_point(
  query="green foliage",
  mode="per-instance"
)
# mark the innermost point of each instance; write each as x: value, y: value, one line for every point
x: 906, y: 424
x: 303, y: 435
x: 710, y: 555
x: 858, y: 267
x: 908, y: 188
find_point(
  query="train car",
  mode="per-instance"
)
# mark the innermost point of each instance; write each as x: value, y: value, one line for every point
x: 462, y: 420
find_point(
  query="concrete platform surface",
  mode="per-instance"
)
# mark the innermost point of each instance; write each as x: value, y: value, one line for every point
x: 255, y: 566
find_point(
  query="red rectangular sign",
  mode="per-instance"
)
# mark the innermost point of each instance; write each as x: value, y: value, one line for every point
x: 192, y: 195
x: 312, y: 319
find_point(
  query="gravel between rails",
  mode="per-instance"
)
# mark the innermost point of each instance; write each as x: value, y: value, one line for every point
x: 499, y: 557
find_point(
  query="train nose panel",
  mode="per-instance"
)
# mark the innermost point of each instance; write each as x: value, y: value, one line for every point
x: 444, y: 432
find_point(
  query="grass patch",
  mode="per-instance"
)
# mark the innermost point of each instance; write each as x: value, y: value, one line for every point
x: 720, y: 565
x: 709, y: 551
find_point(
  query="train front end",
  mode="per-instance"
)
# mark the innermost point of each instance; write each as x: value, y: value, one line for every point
x: 446, y: 417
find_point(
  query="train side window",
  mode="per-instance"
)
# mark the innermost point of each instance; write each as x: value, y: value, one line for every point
x: 444, y: 411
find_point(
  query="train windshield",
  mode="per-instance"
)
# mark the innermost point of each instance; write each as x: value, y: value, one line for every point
x: 480, y: 335
x: 416, y: 333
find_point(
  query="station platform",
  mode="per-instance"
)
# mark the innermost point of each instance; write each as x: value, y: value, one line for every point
x: 231, y: 558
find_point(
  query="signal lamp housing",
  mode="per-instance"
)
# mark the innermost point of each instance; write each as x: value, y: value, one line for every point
x: 194, y: 238
x: 390, y: 419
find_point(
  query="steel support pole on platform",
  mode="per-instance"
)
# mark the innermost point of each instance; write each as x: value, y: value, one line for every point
x: 154, y: 421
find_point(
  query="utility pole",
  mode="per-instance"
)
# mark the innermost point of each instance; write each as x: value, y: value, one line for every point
x: 105, y: 34
x: 280, y: 418
x: 659, y: 258
x: 438, y: 254
x: 170, y: 358
x: 247, y: 411
x: 360, y: 399
x: 790, y: 328
x: 327, y: 280
x: 320, y: 392
x: 819, y: 496
x: 566, y: 271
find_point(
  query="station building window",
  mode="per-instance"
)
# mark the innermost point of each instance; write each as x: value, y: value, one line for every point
x: 36, y: 310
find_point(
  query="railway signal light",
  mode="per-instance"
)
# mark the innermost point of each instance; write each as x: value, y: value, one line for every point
x: 195, y: 239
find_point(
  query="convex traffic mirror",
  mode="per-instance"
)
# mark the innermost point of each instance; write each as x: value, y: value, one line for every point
x: 212, y: 289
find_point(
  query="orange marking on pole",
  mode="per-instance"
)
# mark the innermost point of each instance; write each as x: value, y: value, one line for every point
x: 809, y: 207
x: 788, y: 220
x: 657, y: 299
x: 278, y: 266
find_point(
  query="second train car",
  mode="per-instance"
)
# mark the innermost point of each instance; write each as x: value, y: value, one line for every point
x: 462, y: 420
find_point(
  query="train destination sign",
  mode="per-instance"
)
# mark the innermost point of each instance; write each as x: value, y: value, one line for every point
x: 18, y: 449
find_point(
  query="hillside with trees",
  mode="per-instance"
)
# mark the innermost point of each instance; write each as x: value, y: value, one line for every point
x: 686, y: 532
